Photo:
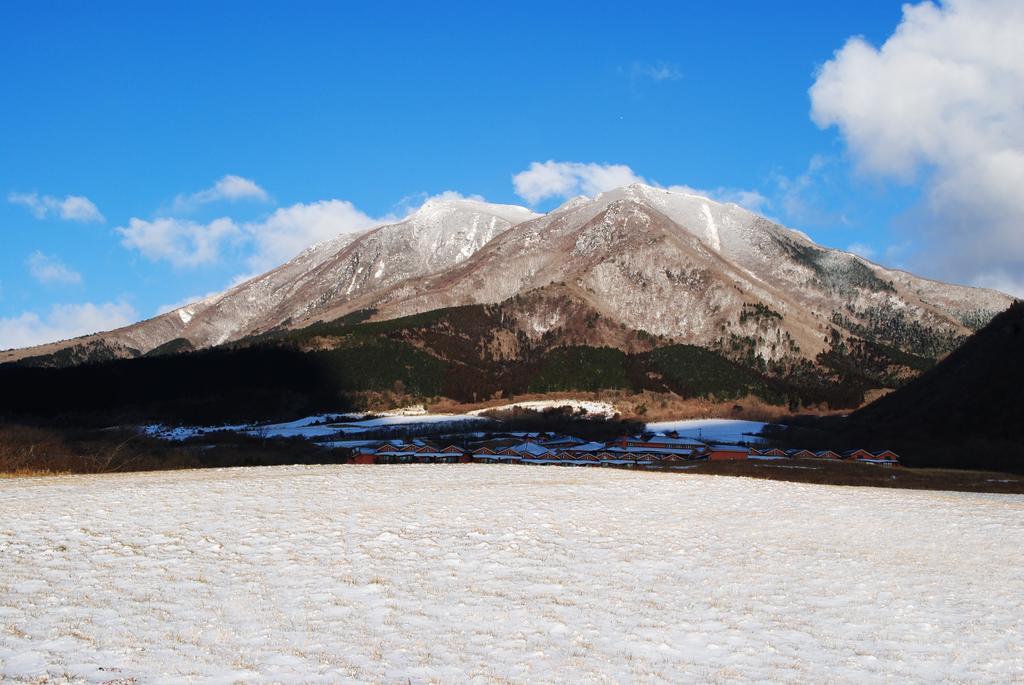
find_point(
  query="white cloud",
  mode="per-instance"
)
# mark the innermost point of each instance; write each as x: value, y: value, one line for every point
x: 410, y: 203
x: 181, y: 242
x: 290, y: 230
x: 942, y: 100
x: 79, y: 208
x: 48, y: 269
x: 267, y: 243
x: 70, y: 207
x: 567, y: 179
x: 862, y: 249
x: 544, y: 180
x: 230, y: 188
x: 804, y: 199
x: 185, y: 301
x: 64, y: 321
x: 659, y: 71
x: 894, y: 253
x: 748, y: 199
x: 999, y: 279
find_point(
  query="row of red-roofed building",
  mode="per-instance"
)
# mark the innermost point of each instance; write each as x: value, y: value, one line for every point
x: 885, y: 458
x: 649, y: 450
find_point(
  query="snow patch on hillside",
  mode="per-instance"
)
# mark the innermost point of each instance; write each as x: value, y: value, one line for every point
x: 321, y: 425
x: 604, y: 409
x: 407, y: 421
x: 712, y: 228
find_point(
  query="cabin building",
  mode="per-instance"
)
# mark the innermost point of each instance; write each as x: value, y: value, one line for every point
x: 643, y: 451
x: 669, y: 460
x: 509, y: 455
x: 483, y: 455
x: 532, y: 450
x: 727, y: 452
x: 658, y: 441
x: 496, y: 444
x: 769, y: 453
x: 364, y: 455
x: 609, y: 458
x: 585, y: 447
x: 884, y: 458
x: 563, y: 441
x: 644, y: 460
x: 564, y: 457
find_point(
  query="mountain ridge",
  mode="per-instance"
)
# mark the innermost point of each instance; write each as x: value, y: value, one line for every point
x: 675, y: 266
x: 492, y: 275
x: 242, y: 310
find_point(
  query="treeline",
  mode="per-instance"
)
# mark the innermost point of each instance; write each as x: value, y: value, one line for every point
x: 46, y: 448
x: 441, y: 354
x: 447, y: 353
x: 451, y: 353
x: 279, y: 382
x: 212, y: 386
x: 564, y: 421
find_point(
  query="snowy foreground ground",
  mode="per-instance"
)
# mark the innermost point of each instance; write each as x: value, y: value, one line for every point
x: 478, y: 573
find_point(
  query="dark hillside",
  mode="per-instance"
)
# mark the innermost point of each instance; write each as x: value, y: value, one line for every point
x: 216, y: 386
x: 966, y: 412
x: 979, y: 388
x: 465, y: 354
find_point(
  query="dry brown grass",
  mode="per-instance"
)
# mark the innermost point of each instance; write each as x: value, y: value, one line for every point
x: 40, y: 451
x: 827, y: 472
x: 27, y: 449
x: 31, y: 473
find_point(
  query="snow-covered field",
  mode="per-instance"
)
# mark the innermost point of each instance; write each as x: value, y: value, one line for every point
x: 456, y: 573
x: 324, y: 426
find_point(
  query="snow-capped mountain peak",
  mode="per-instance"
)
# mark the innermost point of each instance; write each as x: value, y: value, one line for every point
x: 442, y: 233
x: 442, y: 210
x: 668, y: 262
x: 571, y: 204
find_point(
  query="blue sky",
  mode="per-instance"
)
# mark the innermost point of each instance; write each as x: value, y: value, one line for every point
x: 135, y: 112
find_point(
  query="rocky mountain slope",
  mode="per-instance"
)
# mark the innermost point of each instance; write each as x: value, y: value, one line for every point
x: 634, y: 268
x: 690, y: 270
x: 438, y: 236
